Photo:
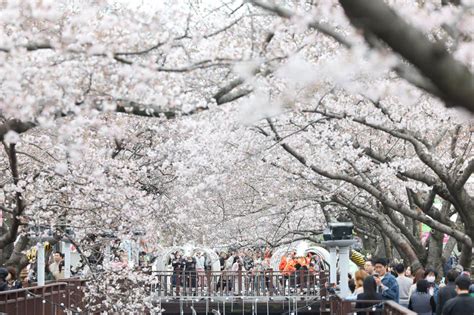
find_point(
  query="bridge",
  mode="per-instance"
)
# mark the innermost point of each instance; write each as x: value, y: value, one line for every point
x: 241, y: 292
x: 215, y: 293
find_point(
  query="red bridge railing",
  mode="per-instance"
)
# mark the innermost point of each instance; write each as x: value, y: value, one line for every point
x: 52, y: 298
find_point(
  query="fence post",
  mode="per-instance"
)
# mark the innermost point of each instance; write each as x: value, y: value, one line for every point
x: 239, y: 281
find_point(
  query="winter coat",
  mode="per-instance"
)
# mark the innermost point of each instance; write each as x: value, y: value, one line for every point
x: 422, y: 303
x: 461, y: 304
x: 365, y: 305
x: 3, y: 285
x: 445, y: 294
x: 14, y: 285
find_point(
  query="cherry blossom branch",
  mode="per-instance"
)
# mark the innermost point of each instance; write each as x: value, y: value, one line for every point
x: 379, y: 195
x: 10, y: 236
x: 436, y: 84
x: 452, y: 78
x: 5, y: 209
x: 317, y: 25
x: 465, y: 175
x: 32, y: 46
x: 420, y: 150
x: 402, y: 243
x: 14, y: 125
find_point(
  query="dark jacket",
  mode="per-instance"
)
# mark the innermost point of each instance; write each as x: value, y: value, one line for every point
x: 190, y: 265
x: 364, y: 305
x: 15, y: 285
x: 445, y: 294
x: 3, y: 285
x: 461, y: 304
x: 422, y: 303
x: 178, y: 264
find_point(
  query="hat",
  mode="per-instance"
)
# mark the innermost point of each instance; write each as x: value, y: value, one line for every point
x: 3, y: 273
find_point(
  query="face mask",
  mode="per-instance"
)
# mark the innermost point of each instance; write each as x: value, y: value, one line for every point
x: 430, y: 278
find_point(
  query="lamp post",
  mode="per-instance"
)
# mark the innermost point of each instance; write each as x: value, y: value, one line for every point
x: 40, y: 232
x: 40, y: 263
x: 66, y: 246
x: 67, y: 259
x: 339, y: 236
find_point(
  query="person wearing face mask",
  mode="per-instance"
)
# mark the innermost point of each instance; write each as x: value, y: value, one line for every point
x: 431, y: 275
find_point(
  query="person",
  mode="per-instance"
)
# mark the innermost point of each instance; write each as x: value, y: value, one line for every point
x: 404, y: 284
x: 369, y: 267
x: 54, y: 267
x: 462, y: 303
x: 289, y: 271
x: 352, y: 285
x: 447, y: 292
x: 3, y: 279
x: 419, y: 274
x: 370, y: 294
x: 120, y: 261
x: 257, y: 273
x: 236, y: 283
x: 408, y: 273
x: 33, y: 274
x: 421, y: 301
x: 190, y: 272
x: 178, y: 266
x: 200, y: 265
x: 359, y: 276
x: 12, y: 281
x: 391, y: 269
x: 331, y: 287
x: 267, y: 269
x: 385, y: 280
x: 431, y: 275
x: 48, y: 275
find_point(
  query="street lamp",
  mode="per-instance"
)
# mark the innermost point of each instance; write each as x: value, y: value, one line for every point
x: 338, y: 235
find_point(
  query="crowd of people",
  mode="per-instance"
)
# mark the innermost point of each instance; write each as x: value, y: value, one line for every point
x: 245, y: 271
x: 53, y: 270
x: 422, y: 292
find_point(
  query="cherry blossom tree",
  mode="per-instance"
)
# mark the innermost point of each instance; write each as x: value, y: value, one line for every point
x: 112, y: 120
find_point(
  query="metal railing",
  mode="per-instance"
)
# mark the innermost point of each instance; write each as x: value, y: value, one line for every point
x: 51, y: 299
x: 243, y: 283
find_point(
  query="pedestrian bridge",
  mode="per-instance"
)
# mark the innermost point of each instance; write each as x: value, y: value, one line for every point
x: 242, y: 292
x: 238, y: 283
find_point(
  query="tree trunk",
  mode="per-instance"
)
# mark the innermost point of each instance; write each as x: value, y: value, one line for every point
x: 466, y: 251
x: 435, y: 251
x: 380, y: 249
x: 388, y: 247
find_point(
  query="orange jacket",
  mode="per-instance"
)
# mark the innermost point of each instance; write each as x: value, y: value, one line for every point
x: 290, y: 267
x: 282, y: 264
